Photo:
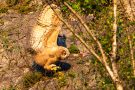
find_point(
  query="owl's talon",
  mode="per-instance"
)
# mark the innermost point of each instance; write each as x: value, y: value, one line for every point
x: 53, y: 65
x: 55, y: 68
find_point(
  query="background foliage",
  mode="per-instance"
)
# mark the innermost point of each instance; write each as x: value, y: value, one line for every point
x: 98, y: 14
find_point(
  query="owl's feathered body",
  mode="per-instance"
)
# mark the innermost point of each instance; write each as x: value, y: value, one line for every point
x: 44, y: 39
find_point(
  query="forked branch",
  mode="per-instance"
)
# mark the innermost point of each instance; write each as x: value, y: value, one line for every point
x: 79, y: 38
x: 88, y: 30
x: 102, y: 59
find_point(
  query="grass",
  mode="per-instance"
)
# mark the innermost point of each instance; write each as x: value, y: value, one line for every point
x: 24, y: 9
x: 11, y: 2
x: 1, y: 22
x: 72, y: 74
x: 22, y: 6
x: 31, y: 78
x: 62, y: 81
x: 74, y: 49
x: 3, y: 10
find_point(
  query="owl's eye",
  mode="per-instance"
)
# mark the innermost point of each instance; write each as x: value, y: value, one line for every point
x: 63, y: 52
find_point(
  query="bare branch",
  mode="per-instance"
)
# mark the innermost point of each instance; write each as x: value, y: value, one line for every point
x: 131, y: 51
x: 114, y: 49
x: 88, y: 30
x: 114, y: 42
x: 102, y: 59
x: 81, y: 40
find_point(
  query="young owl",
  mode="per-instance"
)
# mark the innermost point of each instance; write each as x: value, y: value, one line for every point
x: 44, y: 39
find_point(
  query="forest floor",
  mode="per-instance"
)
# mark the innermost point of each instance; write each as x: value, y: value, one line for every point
x: 16, y: 71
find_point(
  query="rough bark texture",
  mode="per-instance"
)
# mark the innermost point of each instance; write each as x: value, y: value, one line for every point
x: 116, y: 80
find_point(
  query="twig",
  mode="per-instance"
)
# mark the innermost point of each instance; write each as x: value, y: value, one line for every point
x: 102, y: 59
x: 88, y: 30
x: 131, y: 51
x: 81, y: 40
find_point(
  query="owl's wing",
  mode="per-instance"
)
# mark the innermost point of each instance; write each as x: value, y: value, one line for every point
x: 52, y: 25
x: 50, y: 39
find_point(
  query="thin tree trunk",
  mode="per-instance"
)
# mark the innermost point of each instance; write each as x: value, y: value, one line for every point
x: 131, y: 51
x: 119, y: 86
x: 114, y: 43
x: 102, y: 59
x: 117, y: 80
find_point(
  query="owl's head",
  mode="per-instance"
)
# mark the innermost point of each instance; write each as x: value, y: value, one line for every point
x: 64, y: 52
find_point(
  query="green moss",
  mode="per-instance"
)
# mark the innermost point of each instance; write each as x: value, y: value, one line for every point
x: 5, y: 39
x: 62, y: 81
x: 27, y: 1
x: 24, y: 9
x: 72, y: 74
x: 31, y: 78
x: 74, y: 49
x: 22, y: 6
x: 1, y: 22
x: 3, y: 10
x: 11, y: 2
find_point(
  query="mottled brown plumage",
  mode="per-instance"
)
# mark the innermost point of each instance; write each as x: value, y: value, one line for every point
x: 44, y: 39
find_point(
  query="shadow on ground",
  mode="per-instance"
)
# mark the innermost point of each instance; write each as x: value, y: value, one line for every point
x: 63, y: 67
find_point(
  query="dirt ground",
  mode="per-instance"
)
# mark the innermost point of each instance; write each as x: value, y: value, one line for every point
x: 16, y: 64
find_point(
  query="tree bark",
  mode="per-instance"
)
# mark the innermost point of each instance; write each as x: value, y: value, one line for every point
x: 116, y: 78
x: 119, y: 86
x: 114, y: 38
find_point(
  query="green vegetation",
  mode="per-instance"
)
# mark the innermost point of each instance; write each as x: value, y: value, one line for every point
x: 3, y: 10
x: 31, y: 78
x: 62, y: 81
x: 5, y: 39
x: 87, y: 6
x: 23, y: 9
x: 11, y: 2
x: 72, y: 74
x: 101, y: 24
x: 22, y: 6
x: 73, y: 49
x: 1, y: 22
